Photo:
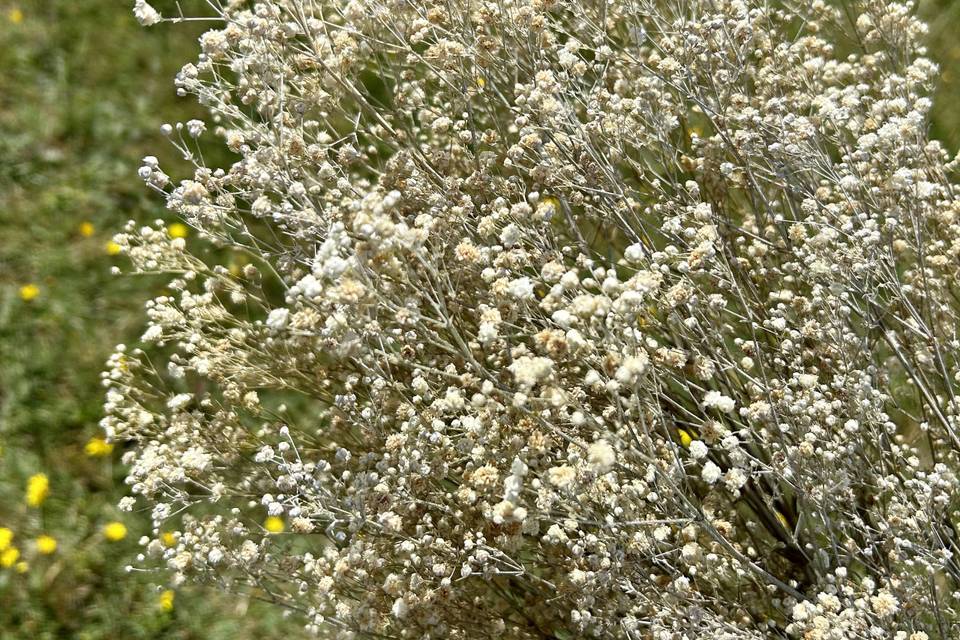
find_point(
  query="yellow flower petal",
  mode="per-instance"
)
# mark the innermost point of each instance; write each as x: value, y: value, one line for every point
x: 97, y: 448
x: 166, y: 600
x: 29, y: 291
x: 9, y: 557
x: 273, y: 524
x: 178, y: 230
x: 86, y: 229
x: 15, y: 15
x: 115, y: 531
x: 38, y: 488
x: 46, y: 544
x: 6, y: 537
x: 112, y: 248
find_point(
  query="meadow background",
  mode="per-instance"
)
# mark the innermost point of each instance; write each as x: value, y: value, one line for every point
x: 83, y: 92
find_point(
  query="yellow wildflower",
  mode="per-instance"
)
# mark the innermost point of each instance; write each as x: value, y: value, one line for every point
x: 86, y: 229
x: 685, y: 437
x: 481, y: 82
x: 178, y: 230
x: 6, y: 537
x: 166, y: 600
x: 29, y: 291
x: 97, y: 448
x: 22, y: 567
x: 112, y: 248
x: 273, y: 524
x: 46, y: 544
x: 9, y: 557
x: 38, y: 488
x: 15, y: 15
x: 115, y: 531
x: 168, y: 539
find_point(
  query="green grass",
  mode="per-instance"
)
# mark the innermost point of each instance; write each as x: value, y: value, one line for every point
x: 83, y: 91
x: 943, y: 18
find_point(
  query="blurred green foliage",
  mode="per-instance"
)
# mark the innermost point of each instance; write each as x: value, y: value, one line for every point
x: 83, y: 90
x: 943, y: 18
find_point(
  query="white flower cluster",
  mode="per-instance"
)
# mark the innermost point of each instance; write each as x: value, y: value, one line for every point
x: 555, y: 319
x: 146, y: 14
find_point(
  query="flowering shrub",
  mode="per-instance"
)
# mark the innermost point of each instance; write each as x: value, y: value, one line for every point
x: 621, y: 319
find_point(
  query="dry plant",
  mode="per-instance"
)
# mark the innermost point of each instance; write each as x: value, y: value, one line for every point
x: 602, y: 318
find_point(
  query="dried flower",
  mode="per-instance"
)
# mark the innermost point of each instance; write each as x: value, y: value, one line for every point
x: 557, y: 319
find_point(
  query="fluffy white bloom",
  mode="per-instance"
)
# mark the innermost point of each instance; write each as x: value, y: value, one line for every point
x: 884, y: 604
x: 196, y: 459
x: 698, y: 449
x: 735, y: 479
x: 556, y: 535
x: 510, y: 235
x: 807, y: 380
x: 145, y: 14
x: 514, y: 482
x: 718, y: 401
x: 399, y: 609
x: 632, y: 368
x: 309, y: 286
x: 195, y: 128
x: 710, y: 472
x: 521, y: 288
x: 179, y: 401
x: 562, y: 476
x: 277, y: 319
x: 563, y: 318
x: 529, y: 371
x: 154, y: 333
x: 601, y: 456
x: 249, y: 551
x: 634, y: 253
x: 390, y: 521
